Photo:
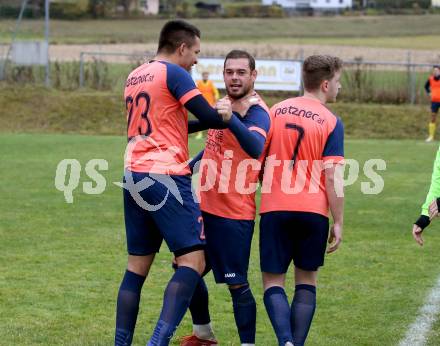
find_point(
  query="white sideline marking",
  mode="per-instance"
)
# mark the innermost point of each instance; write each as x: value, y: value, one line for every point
x: 419, y: 329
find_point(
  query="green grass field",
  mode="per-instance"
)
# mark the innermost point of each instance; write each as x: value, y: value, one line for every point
x: 61, y: 263
x: 415, y: 31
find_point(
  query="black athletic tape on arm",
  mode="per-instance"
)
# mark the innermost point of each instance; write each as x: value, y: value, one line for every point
x: 423, y: 221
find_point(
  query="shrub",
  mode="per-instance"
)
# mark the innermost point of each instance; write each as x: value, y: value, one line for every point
x: 67, y: 10
x: 7, y: 11
x: 252, y: 10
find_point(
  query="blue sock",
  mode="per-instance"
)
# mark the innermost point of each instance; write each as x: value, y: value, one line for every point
x: 278, y: 309
x: 199, y: 305
x: 245, y: 313
x: 302, y: 311
x: 127, y: 307
x: 176, y: 300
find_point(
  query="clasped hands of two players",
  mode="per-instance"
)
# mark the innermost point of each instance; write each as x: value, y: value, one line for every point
x: 225, y: 107
x: 423, y: 221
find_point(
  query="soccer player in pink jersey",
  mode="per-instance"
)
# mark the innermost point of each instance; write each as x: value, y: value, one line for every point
x: 158, y: 200
x: 229, y: 172
x: 302, y: 179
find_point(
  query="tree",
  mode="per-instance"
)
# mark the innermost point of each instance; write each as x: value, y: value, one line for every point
x: 396, y: 4
x: 98, y: 8
x: 126, y: 4
x: 169, y: 6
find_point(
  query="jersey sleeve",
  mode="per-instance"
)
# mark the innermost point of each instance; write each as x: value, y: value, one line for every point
x: 434, y: 188
x: 208, y: 116
x: 334, y: 147
x: 251, y: 130
x: 195, y: 160
x: 257, y: 120
x: 180, y: 84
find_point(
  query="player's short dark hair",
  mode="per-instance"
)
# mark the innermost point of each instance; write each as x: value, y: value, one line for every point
x: 241, y: 54
x: 436, y: 66
x: 318, y: 68
x: 176, y: 32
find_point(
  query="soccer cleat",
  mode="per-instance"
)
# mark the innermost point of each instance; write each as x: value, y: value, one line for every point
x: 193, y: 340
x: 429, y: 139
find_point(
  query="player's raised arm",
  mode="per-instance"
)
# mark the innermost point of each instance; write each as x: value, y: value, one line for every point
x: 208, y: 117
x: 240, y: 109
x: 183, y: 88
x: 251, y: 131
x: 196, y: 126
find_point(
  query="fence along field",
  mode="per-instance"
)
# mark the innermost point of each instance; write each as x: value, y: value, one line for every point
x: 377, y: 82
x: 265, y: 38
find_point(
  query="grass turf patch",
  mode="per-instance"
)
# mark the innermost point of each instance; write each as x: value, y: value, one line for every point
x: 62, y: 263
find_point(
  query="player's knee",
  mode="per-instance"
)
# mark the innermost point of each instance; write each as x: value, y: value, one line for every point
x: 271, y: 280
x: 140, y: 264
x: 242, y: 295
x: 307, y: 277
x: 234, y: 287
x: 194, y: 260
x: 205, y: 271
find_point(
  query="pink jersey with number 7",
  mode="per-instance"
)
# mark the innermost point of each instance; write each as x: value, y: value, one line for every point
x: 306, y: 136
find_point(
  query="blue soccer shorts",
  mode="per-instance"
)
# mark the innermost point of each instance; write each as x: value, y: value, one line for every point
x: 228, y: 247
x: 287, y: 236
x: 435, y: 107
x: 165, y: 209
